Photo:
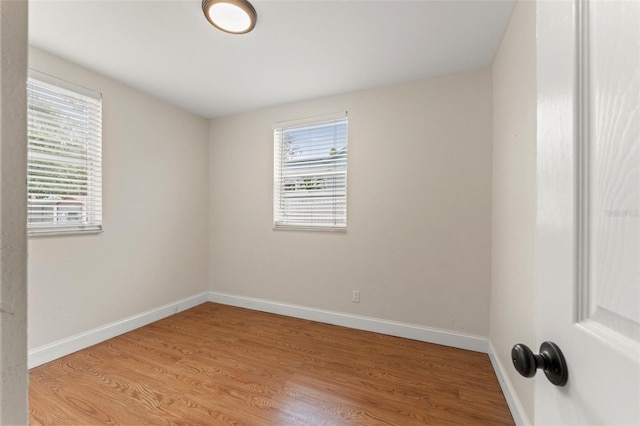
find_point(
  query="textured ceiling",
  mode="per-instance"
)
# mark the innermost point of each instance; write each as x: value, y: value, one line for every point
x: 300, y: 49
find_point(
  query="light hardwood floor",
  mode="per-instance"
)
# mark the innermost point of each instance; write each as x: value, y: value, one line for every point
x: 219, y: 365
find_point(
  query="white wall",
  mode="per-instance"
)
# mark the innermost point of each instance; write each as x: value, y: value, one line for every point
x: 419, y: 207
x: 514, y: 197
x: 13, y: 241
x: 153, y: 250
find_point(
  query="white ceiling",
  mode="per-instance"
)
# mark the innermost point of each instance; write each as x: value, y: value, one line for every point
x: 300, y: 49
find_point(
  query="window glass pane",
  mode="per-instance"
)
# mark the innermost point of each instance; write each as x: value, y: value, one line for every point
x: 310, y: 189
x: 64, y: 181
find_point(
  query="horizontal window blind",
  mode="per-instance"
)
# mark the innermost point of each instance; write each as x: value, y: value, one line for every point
x: 64, y: 162
x: 310, y: 175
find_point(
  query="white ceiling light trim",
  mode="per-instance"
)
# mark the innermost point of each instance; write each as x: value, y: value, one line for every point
x: 231, y: 16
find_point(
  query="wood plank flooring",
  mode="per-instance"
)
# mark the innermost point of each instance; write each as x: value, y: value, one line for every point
x: 221, y: 365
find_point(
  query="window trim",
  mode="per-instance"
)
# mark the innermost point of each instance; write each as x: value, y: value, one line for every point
x: 94, y: 178
x: 279, y: 224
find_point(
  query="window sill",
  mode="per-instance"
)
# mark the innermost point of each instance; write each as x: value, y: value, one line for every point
x: 61, y: 232
x: 310, y: 228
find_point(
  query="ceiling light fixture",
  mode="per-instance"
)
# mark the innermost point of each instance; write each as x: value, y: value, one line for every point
x: 231, y: 16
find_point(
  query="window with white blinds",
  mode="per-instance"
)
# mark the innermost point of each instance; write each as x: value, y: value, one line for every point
x: 310, y: 174
x: 64, y: 162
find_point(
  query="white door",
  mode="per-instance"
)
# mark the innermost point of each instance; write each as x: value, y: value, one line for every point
x: 588, y: 247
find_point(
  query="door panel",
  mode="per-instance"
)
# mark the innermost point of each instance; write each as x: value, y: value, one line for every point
x: 588, y: 237
x: 611, y: 94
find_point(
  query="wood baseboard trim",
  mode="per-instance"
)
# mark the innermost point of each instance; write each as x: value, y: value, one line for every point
x: 517, y: 410
x: 43, y: 354
x: 392, y: 328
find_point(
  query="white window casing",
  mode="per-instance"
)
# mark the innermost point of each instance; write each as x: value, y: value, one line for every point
x: 310, y: 174
x: 64, y: 162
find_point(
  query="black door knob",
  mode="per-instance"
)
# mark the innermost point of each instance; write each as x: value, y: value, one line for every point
x: 550, y: 360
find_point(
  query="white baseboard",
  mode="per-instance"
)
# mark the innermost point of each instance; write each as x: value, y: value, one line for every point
x: 60, y: 348
x: 517, y: 410
x: 392, y: 328
x: 55, y: 350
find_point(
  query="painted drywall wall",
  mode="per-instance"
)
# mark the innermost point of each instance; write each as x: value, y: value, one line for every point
x: 13, y: 240
x: 514, y: 196
x: 419, y: 207
x: 153, y: 250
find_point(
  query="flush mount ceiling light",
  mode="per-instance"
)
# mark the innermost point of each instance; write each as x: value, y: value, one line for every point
x: 231, y: 16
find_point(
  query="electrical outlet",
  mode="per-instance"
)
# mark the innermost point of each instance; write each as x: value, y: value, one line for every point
x: 355, y: 296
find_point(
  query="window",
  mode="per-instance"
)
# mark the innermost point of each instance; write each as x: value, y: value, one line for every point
x: 310, y: 174
x: 64, y: 170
